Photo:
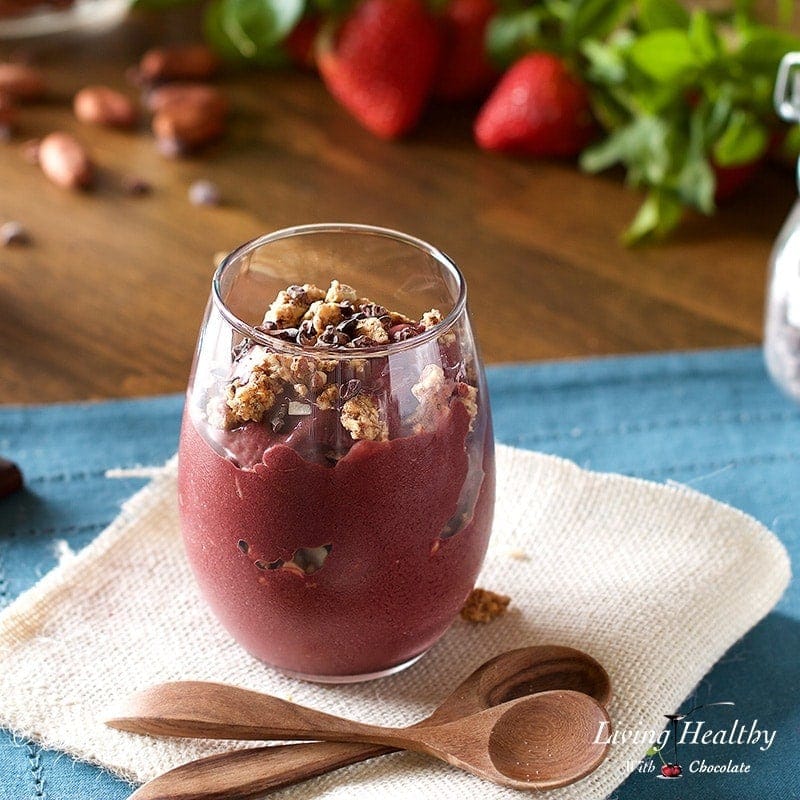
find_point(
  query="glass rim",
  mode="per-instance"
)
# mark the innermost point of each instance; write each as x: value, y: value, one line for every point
x: 250, y: 332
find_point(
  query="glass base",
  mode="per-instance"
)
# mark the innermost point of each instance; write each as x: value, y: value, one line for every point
x: 367, y: 676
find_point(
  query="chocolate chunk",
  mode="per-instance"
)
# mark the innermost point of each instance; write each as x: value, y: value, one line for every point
x: 373, y: 310
x: 331, y: 337
x: 306, y: 334
x: 402, y: 332
x: 284, y: 334
x: 349, y: 325
x: 10, y: 477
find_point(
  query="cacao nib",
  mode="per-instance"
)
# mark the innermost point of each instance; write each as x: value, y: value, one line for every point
x: 306, y: 335
x: 331, y: 337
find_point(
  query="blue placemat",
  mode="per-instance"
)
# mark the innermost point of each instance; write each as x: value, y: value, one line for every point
x: 711, y: 420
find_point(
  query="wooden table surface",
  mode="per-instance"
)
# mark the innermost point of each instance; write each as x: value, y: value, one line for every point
x: 107, y: 300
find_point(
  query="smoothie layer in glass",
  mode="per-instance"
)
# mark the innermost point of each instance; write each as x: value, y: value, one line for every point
x: 339, y: 529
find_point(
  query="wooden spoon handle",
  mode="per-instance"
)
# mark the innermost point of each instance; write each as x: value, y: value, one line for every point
x: 250, y: 774
x: 199, y: 710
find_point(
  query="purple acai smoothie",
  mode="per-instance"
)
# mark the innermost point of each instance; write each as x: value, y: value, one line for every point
x: 336, y: 510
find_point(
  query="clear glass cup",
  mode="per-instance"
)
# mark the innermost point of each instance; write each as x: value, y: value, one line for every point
x: 337, y: 534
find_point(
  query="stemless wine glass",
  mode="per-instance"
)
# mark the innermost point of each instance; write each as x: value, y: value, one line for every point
x: 336, y: 501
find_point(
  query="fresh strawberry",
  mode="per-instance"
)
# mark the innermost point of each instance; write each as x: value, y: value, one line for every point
x: 465, y: 70
x: 381, y: 63
x: 299, y: 43
x: 730, y: 180
x: 538, y: 108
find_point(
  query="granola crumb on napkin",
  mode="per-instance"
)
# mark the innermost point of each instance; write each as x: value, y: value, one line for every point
x: 484, y: 606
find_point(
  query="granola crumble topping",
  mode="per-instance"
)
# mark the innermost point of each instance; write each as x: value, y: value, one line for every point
x: 274, y: 388
x: 484, y: 606
x: 362, y: 418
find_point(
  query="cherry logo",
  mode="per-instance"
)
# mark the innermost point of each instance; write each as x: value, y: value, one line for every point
x: 672, y: 770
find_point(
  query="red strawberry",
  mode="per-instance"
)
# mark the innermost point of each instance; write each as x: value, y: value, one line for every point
x: 539, y: 108
x: 299, y: 43
x: 465, y: 70
x: 381, y: 63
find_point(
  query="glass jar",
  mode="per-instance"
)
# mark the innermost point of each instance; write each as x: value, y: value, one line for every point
x: 782, y: 314
x: 782, y: 310
x: 336, y: 502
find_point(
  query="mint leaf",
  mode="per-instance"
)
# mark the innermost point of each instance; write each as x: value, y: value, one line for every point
x: 744, y: 140
x: 511, y: 35
x: 763, y: 48
x: 657, y: 216
x: 696, y: 183
x: 606, y: 64
x: 665, y: 56
x: 655, y: 15
x: 642, y: 146
x: 695, y: 180
x: 703, y: 38
x: 252, y: 29
x: 593, y: 19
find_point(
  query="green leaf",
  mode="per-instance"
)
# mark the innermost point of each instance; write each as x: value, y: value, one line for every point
x: 658, y: 215
x: 593, y: 19
x: 763, y: 48
x: 642, y: 146
x: 695, y: 183
x: 511, y: 35
x: 789, y: 149
x: 606, y: 64
x: 665, y: 56
x: 703, y: 38
x: 655, y: 15
x: 653, y: 751
x: 252, y: 30
x: 744, y: 140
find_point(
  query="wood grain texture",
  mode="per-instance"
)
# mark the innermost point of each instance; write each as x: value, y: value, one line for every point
x: 108, y: 300
x: 541, y: 741
x: 250, y: 774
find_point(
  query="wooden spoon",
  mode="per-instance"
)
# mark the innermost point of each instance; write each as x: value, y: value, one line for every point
x: 537, y: 742
x: 250, y: 774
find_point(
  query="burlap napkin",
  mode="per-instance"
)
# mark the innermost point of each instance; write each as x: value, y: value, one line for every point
x: 655, y: 581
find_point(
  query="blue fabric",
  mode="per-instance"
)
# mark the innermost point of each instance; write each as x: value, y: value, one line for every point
x: 711, y: 420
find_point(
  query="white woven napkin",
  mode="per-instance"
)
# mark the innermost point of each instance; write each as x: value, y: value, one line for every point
x: 588, y: 560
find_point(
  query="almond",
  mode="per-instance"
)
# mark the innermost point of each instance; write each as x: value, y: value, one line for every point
x: 64, y: 161
x: 195, y: 94
x: 181, y: 62
x: 101, y: 105
x: 186, y: 126
x: 22, y: 81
